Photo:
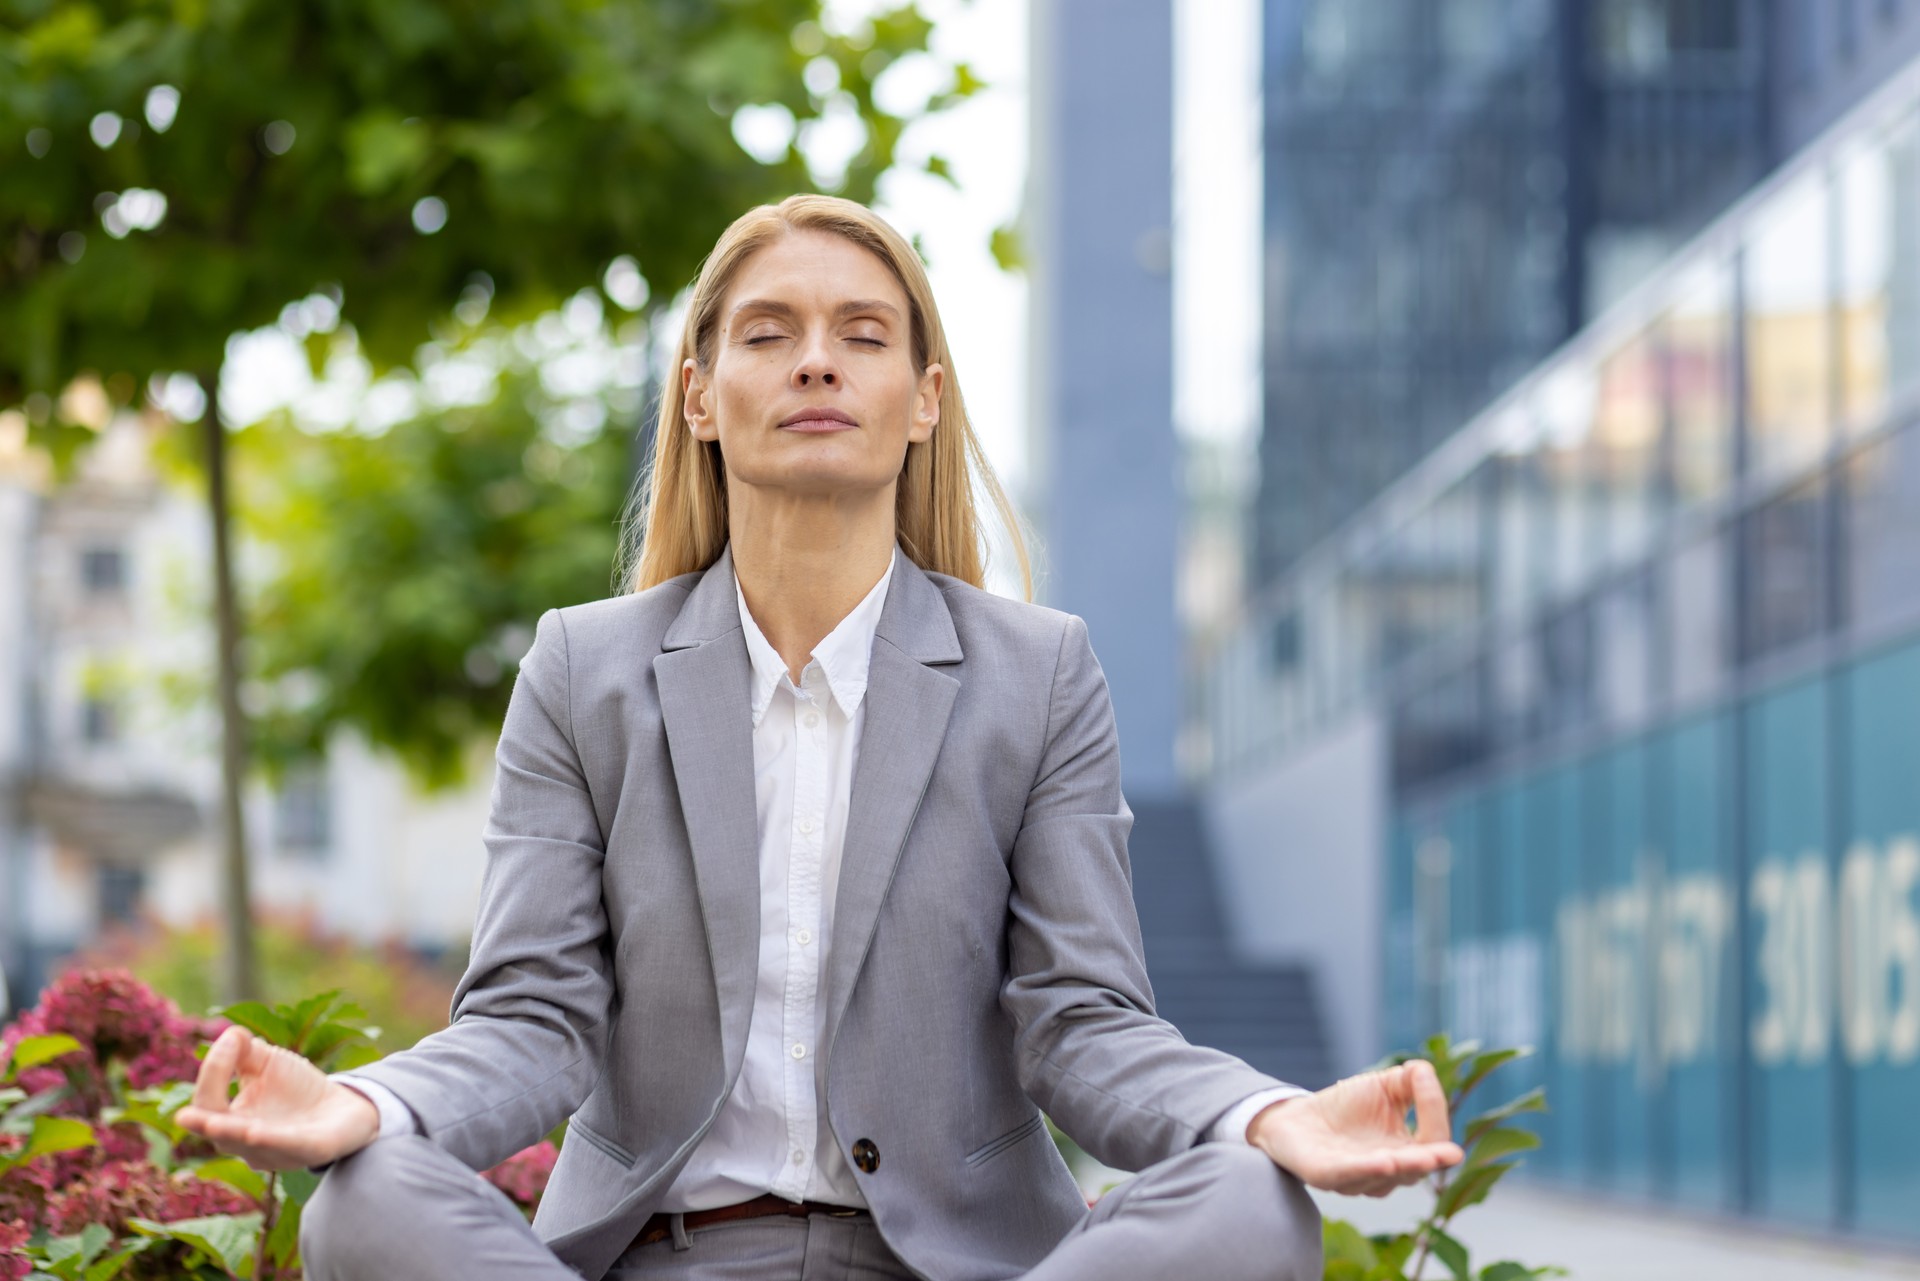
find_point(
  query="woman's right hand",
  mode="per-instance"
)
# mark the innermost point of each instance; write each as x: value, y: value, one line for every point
x: 288, y: 1114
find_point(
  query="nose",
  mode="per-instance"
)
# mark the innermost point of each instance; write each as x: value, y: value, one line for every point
x: 814, y: 364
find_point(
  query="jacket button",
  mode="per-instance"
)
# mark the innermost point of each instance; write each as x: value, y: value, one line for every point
x: 865, y: 1155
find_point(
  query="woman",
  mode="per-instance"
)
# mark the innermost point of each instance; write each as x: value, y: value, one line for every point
x: 807, y: 887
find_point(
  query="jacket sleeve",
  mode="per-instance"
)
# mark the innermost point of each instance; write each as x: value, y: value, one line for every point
x: 530, y: 1015
x: 1122, y: 1082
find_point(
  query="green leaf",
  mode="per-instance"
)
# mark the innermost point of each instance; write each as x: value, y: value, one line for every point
x: 328, y: 1039
x: 1534, y: 1100
x: 111, y: 1266
x: 50, y: 1134
x: 1009, y: 253
x: 302, y: 1017
x: 283, y: 1238
x: 258, y: 1019
x: 1481, y: 1065
x: 383, y: 150
x: 235, y: 1173
x: 299, y: 1185
x: 1340, y: 1240
x: 353, y: 1056
x: 1469, y: 1188
x: 1492, y: 1145
x: 1395, y: 1249
x: 1509, y: 1271
x: 57, y: 1134
x: 229, y: 1239
x: 32, y: 1051
x: 1451, y: 1253
x: 78, y: 1250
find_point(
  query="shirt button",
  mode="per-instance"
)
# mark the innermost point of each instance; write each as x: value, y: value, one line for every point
x: 812, y: 719
x: 804, y: 827
x: 804, y: 937
x: 799, y: 1051
x: 799, y: 1157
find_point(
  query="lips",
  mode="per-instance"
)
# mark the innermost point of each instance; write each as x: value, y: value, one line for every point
x: 817, y: 418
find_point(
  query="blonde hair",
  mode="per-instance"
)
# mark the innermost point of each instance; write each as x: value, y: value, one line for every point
x: 676, y: 518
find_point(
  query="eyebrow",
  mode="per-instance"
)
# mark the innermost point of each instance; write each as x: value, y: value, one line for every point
x: 778, y: 308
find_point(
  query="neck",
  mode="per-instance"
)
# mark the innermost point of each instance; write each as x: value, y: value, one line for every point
x: 805, y: 561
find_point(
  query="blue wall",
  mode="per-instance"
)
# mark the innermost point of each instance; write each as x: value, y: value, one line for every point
x: 1727, y: 915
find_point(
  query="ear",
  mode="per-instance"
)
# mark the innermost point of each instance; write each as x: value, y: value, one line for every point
x: 926, y: 408
x: 694, y: 405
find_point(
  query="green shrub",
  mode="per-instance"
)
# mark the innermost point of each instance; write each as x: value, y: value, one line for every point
x: 1492, y: 1147
x: 404, y: 996
x: 98, y: 1181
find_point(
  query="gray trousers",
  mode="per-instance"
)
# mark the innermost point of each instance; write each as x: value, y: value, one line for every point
x: 403, y: 1207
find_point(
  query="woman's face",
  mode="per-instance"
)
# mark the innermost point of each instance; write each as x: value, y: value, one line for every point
x: 812, y: 387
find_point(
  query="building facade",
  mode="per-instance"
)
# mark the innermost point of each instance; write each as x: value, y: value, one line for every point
x: 1451, y: 190
x: 109, y: 759
x: 1621, y: 688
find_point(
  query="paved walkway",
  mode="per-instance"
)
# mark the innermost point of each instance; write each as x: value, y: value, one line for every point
x: 1607, y: 1241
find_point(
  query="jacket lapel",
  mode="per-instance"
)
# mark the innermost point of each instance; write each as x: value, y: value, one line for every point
x: 703, y: 675
x: 907, y: 705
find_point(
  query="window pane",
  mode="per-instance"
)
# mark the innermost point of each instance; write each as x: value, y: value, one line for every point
x: 1627, y: 435
x: 1518, y: 689
x: 1698, y: 587
x: 1785, y: 579
x: 1624, y: 653
x: 1566, y: 652
x: 1789, y: 368
x: 1883, y: 531
x: 1698, y: 343
x: 1440, y: 730
x: 103, y: 570
x: 1879, y: 275
x: 1521, y: 522
x: 1458, y: 555
x: 1569, y: 463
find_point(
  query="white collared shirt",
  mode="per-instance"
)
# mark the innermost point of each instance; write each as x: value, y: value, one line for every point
x: 771, y: 1134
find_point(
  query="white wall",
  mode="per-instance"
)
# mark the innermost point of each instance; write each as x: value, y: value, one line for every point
x: 1301, y: 848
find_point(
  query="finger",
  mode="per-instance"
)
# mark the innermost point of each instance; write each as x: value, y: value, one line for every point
x: 217, y: 1069
x: 1431, y: 1124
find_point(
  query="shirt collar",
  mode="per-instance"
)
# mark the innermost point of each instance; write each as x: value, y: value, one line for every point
x: 843, y: 654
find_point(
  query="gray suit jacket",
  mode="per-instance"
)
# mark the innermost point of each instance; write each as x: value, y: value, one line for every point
x: 986, y: 962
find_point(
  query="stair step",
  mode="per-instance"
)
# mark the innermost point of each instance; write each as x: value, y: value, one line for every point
x: 1262, y: 1012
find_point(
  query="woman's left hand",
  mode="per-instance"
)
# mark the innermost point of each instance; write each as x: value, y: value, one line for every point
x: 1352, y: 1136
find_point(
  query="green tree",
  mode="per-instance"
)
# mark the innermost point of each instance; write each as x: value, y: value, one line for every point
x: 410, y: 565
x: 173, y: 173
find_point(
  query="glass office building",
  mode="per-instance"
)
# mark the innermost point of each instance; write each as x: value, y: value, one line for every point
x: 1644, y: 641
x: 1452, y: 188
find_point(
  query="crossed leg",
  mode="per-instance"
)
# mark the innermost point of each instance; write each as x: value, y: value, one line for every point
x: 404, y: 1207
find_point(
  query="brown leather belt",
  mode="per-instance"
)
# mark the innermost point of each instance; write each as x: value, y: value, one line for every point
x: 660, y: 1226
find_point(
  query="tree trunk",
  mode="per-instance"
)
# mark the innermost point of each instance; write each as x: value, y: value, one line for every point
x: 238, y: 979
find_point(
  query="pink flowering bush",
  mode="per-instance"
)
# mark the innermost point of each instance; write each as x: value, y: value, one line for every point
x: 523, y: 1176
x: 98, y: 1182
x: 115, y: 1018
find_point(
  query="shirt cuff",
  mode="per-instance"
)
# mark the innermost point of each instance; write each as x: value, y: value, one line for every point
x: 395, y: 1116
x: 1232, y: 1128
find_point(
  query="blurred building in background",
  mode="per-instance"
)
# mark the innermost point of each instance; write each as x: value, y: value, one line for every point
x: 1597, y: 727
x: 109, y: 766
x: 1454, y: 188
x: 1106, y: 490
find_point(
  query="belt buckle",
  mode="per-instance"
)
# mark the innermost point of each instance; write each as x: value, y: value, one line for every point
x: 844, y: 1212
